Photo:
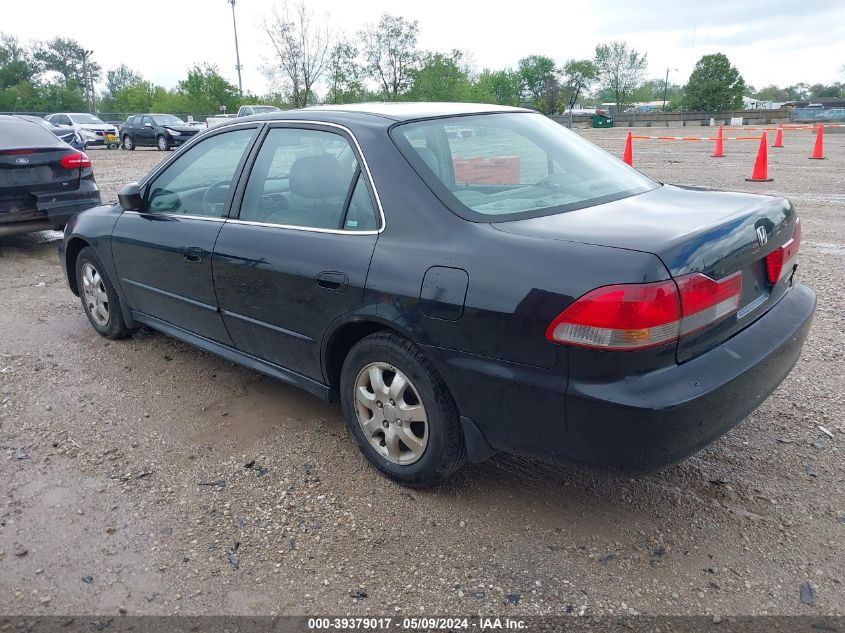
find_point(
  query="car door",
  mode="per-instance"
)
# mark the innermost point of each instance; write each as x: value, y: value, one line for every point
x: 162, y: 253
x: 296, y: 256
x: 145, y: 131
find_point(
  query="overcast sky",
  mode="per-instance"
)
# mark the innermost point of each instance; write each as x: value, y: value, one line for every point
x: 770, y: 41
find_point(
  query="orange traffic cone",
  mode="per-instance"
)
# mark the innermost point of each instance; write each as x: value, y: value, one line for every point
x: 761, y: 165
x: 779, y: 136
x: 818, y: 148
x: 719, y: 151
x: 628, y: 154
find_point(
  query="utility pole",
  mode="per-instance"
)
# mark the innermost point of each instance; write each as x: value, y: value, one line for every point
x: 237, y: 52
x: 88, y: 81
x: 666, y: 87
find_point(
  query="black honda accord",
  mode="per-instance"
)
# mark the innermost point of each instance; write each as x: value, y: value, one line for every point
x: 464, y: 279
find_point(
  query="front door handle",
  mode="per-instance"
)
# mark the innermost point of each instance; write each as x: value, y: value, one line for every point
x: 193, y: 254
x: 333, y: 281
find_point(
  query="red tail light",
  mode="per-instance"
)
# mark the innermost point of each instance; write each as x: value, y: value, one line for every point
x: 638, y: 316
x: 779, y: 261
x: 78, y: 160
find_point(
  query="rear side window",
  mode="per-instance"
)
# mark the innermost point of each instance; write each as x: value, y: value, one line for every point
x: 496, y: 167
x: 308, y: 178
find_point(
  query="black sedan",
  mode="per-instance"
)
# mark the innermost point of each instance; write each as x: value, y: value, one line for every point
x: 464, y: 279
x: 43, y: 181
x: 65, y: 133
x: 163, y: 131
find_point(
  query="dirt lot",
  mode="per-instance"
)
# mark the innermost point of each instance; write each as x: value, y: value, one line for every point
x: 124, y: 484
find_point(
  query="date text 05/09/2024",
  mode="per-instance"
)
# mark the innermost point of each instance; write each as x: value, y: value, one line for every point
x: 420, y: 623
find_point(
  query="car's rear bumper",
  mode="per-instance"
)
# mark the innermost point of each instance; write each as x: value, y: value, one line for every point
x: 643, y: 422
x: 56, y: 207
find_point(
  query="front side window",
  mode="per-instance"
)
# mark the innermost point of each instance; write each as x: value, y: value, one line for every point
x: 496, y: 167
x: 308, y: 178
x: 198, y: 181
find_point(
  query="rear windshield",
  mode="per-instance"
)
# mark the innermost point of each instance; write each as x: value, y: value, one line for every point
x: 495, y: 167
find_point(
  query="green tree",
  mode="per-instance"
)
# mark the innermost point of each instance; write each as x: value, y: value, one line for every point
x: 503, y: 87
x: 67, y: 57
x: 771, y: 93
x: 620, y: 70
x: 345, y: 75
x: 540, y: 78
x: 390, y: 52
x: 714, y: 85
x: 302, y: 46
x: 440, y: 78
x: 823, y: 90
x: 579, y: 75
x: 204, y: 91
x: 16, y: 62
x: 122, y: 77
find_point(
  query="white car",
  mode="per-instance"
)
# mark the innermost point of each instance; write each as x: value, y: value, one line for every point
x: 88, y: 126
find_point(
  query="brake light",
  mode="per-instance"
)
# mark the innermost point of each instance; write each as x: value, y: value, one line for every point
x: 639, y: 316
x: 705, y: 301
x: 77, y: 160
x: 16, y: 152
x: 622, y: 317
x: 780, y: 260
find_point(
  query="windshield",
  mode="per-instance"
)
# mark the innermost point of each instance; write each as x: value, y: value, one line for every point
x: 87, y: 118
x: 260, y: 109
x: 495, y: 167
x: 167, y: 119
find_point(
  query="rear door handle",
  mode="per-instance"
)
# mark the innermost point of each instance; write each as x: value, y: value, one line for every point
x: 193, y: 254
x: 333, y: 281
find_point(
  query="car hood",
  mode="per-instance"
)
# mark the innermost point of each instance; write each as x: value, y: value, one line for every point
x: 97, y: 126
x: 181, y: 128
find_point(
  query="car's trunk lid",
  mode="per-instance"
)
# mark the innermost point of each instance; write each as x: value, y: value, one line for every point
x: 711, y: 232
x: 27, y: 172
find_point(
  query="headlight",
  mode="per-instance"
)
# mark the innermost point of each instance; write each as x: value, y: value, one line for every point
x: 174, y: 132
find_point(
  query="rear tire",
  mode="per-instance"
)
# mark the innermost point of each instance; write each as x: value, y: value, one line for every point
x: 401, y: 412
x: 162, y: 143
x: 128, y: 143
x: 99, y: 297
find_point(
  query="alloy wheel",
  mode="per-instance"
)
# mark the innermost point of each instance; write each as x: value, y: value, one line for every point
x: 95, y: 295
x: 127, y: 142
x: 391, y: 413
x: 162, y: 143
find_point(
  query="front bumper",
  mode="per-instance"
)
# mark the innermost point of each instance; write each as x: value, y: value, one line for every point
x: 641, y: 423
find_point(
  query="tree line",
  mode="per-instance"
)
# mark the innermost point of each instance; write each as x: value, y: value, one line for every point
x: 312, y: 61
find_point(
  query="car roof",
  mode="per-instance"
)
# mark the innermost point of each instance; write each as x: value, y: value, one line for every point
x: 16, y: 133
x: 393, y: 111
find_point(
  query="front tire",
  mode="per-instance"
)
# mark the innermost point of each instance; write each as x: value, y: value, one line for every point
x: 99, y: 297
x: 400, y: 411
x: 128, y: 143
x: 162, y: 143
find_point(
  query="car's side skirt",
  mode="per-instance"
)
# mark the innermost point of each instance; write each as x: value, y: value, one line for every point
x: 229, y: 353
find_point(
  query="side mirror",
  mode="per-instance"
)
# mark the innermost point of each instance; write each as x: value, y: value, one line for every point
x: 130, y: 197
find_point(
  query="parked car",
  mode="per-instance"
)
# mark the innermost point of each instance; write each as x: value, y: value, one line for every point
x: 163, y: 131
x: 249, y: 110
x: 43, y: 181
x: 217, y: 119
x: 92, y: 129
x: 515, y: 289
x: 66, y: 134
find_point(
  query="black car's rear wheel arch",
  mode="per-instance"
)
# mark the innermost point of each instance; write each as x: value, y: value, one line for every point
x: 400, y: 411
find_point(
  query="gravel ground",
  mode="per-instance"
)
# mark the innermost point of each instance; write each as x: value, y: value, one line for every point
x: 145, y: 476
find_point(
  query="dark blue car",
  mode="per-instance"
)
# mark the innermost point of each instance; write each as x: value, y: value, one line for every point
x: 464, y: 279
